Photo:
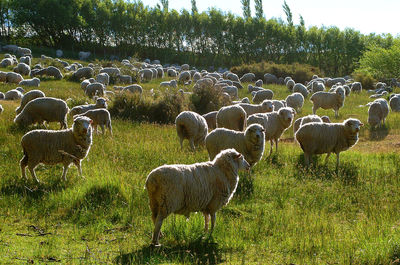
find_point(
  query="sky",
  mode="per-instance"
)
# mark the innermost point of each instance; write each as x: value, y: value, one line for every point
x: 366, y: 16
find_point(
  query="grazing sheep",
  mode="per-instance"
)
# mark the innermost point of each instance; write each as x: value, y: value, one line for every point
x: 13, y: 94
x: 184, y: 77
x: 43, y: 109
x: 304, y: 120
x: 232, y: 91
x: 326, y: 119
x: 232, y: 77
x: 99, y: 116
x: 286, y: 79
x: 145, y: 75
x: 328, y: 100
x: 196, y: 77
x: 84, y: 72
x: 95, y: 89
x: 317, y: 86
x: 12, y: 77
x: 300, y: 88
x: 261, y: 95
x: 135, y: 88
x: 295, y: 101
x: 172, y: 72
x: 377, y: 112
x: 259, y: 83
x: 278, y: 104
x: 232, y: 117
x: 270, y: 79
x: 252, y: 89
x: 248, y: 77
x: 265, y: 106
x: 203, y: 187
x: 249, y: 143
x: 50, y: 71
x: 23, y: 51
x: 275, y: 124
x: 185, y: 67
x: 356, y: 87
x: 191, y: 126
x: 243, y: 100
x: 53, y: 147
x: 111, y: 71
x: 171, y: 83
x: 35, y: 82
x: 31, y: 95
x: 395, y: 103
x: 6, y: 62
x: 321, y: 138
x: 101, y: 103
x: 125, y: 79
x: 22, y: 68
x: 290, y: 84
x: 103, y: 78
x: 203, y: 83
x: 333, y: 81
x: 211, y: 119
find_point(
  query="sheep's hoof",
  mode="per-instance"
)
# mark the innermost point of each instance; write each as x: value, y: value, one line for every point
x: 158, y: 245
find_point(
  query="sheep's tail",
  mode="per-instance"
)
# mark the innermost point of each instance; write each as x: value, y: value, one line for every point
x: 182, y: 130
x: 151, y: 184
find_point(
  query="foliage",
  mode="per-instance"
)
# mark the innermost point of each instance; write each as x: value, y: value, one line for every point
x: 288, y: 13
x: 259, y: 9
x: 382, y: 63
x: 246, y: 9
x: 299, y: 72
x: 365, y: 77
x: 206, y: 99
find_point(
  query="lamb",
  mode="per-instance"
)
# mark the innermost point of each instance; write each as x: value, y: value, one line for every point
x: 356, y: 87
x: 300, y: 88
x: 328, y: 100
x: 182, y: 189
x: 321, y: 138
x: 304, y: 120
x: 275, y: 124
x: 259, y: 83
x: 249, y: 143
x: 23, y: 69
x: 95, y: 89
x: 100, y: 103
x: 211, y: 119
x: 50, y: 71
x: 191, y: 126
x: 248, y: 77
x: 12, y: 77
x: 99, y: 116
x: 261, y: 95
x: 395, y: 103
x: 377, y: 112
x: 43, y: 109
x: 295, y: 101
x: 290, y: 84
x: 232, y: 117
x: 31, y: 95
x: 53, y: 147
x: 265, y: 106
x: 35, y: 82
x: 103, y: 78
x: 13, y: 94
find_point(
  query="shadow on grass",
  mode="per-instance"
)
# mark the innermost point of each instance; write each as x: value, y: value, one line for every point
x: 348, y: 171
x: 378, y: 134
x: 200, y: 251
x: 245, y: 187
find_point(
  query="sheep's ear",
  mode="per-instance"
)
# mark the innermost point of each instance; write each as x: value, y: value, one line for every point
x: 236, y: 156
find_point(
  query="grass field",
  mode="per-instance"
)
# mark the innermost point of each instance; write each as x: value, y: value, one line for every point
x: 281, y: 214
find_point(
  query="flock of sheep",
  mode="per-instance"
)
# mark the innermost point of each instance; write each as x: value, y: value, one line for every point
x: 234, y: 135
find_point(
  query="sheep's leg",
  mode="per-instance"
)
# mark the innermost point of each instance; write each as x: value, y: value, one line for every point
x: 78, y: 166
x: 102, y: 128
x: 213, y: 219
x: 206, y: 220
x: 110, y: 128
x: 337, y: 162
x: 157, y: 228
x: 307, y: 159
x: 336, y: 113
x: 64, y: 174
x: 314, y: 109
x: 276, y: 145
x: 32, y: 170
x: 181, y: 142
x: 192, y: 144
x: 23, y: 164
x: 271, y: 145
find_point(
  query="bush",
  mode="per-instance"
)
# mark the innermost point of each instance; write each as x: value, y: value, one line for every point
x: 365, y: 78
x: 205, y: 100
x: 162, y: 109
x: 299, y: 72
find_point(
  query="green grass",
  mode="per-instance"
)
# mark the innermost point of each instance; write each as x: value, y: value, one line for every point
x: 282, y: 213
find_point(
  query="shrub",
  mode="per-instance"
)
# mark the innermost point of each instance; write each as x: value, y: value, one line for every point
x: 299, y: 72
x: 365, y: 78
x: 206, y: 99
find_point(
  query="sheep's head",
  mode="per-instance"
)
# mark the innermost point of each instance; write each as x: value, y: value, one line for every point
x: 255, y: 134
x: 326, y: 119
x: 286, y: 115
x: 81, y: 126
x: 340, y: 91
x: 101, y: 103
x: 233, y: 159
x: 267, y: 106
x: 353, y: 125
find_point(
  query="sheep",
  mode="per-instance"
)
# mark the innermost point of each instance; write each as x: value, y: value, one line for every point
x: 203, y: 83
x: 20, y: 89
x: 59, y: 53
x: 243, y: 100
x: 232, y: 77
x: 304, y: 120
x: 172, y: 83
x: 248, y: 77
x: 43, y: 109
x: 286, y: 79
x: 184, y: 77
x: 300, y: 88
x: 145, y: 75
x: 395, y: 103
x: 182, y: 189
x: 125, y: 79
x: 191, y: 126
x: 252, y: 89
x: 270, y: 79
x: 295, y: 101
x: 317, y: 86
x: 232, y: 91
x: 2, y: 95
x: 261, y: 95
x: 332, y: 81
x: 50, y: 71
x: 135, y: 88
x: 290, y: 84
x: 103, y: 78
x: 172, y: 72
x: 185, y: 67
x: 6, y: 62
x: 326, y: 119
x: 31, y: 95
x: 99, y: 116
x: 53, y: 147
x: 3, y: 76
x: 13, y: 94
x: 100, y: 103
x: 160, y: 72
x: 328, y: 100
x: 377, y: 112
x: 321, y: 138
x: 211, y: 119
x: 12, y: 77
x: 23, y: 69
x: 232, y: 117
x: 275, y: 124
x: 23, y: 51
x: 85, y: 83
x: 95, y: 89
x: 196, y: 76
x: 35, y: 82
x: 259, y: 83
x: 83, y: 55
x: 1, y: 109
x: 249, y: 143
x: 265, y: 106
x: 84, y: 72
x: 356, y: 87
x: 278, y: 104
x: 111, y: 71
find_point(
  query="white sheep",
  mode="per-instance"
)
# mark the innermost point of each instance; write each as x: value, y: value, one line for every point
x: 295, y: 101
x: 278, y: 104
x: 249, y: 143
x: 395, y: 103
x: 101, y: 103
x: 12, y: 77
x: 265, y: 106
x: 270, y: 78
x: 252, y: 89
x: 43, y: 109
x: 259, y: 83
x: 317, y: 86
x: 233, y: 77
x: 95, y: 89
x: 304, y: 120
x: 134, y: 88
x: 232, y: 117
x: 290, y: 84
x: 243, y: 100
x: 300, y: 88
x: 321, y: 138
x: 275, y: 124
x: 103, y: 78
x: 84, y: 72
x: 31, y: 95
x: 111, y: 71
x: 34, y: 82
x: 261, y: 95
x: 53, y: 147
x: 184, y: 77
x: 356, y: 87
x: 191, y: 126
x: 211, y: 119
x: 232, y: 91
x: 6, y: 62
x: 377, y: 112
x: 50, y: 71
x: 13, y: 94
x: 99, y: 116
x: 328, y: 100
x: 201, y: 187
x: 125, y: 79
x: 172, y: 83
x: 22, y: 68
x: 248, y: 77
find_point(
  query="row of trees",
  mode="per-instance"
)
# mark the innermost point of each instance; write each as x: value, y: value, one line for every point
x: 207, y: 38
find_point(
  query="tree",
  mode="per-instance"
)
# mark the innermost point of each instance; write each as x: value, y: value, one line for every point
x: 259, y: 9
x: 194, y: 7
x: 302, y: 23
x: 164, y: 4
x: 288, y: 12
x: 246, y: 9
